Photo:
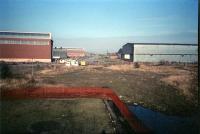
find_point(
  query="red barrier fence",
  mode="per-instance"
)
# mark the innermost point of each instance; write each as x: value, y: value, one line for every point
x: 83, y: 92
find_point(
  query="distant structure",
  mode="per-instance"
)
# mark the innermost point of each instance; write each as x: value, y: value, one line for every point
x: 112, y: 55
x: 59, y: 53
x: 119, y: 53
x: 75, y: 52
x: 159, y: 52
x: 25, y: 47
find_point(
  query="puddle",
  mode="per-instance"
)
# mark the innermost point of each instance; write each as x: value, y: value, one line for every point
x: 164, y: 124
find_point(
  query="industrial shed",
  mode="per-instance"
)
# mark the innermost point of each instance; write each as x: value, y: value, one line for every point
x: 59, y: 53
x: 127, y: 52
x: 64, y: 53
x: 75, y: 52
x: 158, y: 52
x: 25, y: 47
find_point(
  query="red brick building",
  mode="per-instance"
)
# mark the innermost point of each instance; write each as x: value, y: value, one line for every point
x: 25, y: 47
x: 75, y: 52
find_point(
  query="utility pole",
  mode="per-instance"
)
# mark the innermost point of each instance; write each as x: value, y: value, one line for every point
x: 32, y: 69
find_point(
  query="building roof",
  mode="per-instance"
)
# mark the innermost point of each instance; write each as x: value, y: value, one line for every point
x: 161, y: 44
x: 13, y: 34
x: 119, y: 51
x: 127, y: 48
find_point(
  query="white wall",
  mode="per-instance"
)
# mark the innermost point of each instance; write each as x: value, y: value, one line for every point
x: 127, y: 56
x: 171, y: 53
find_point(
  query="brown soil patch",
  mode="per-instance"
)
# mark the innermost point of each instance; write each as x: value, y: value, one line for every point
x: 126, y: 67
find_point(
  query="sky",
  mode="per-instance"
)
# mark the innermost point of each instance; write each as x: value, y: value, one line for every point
x: 103, y: 25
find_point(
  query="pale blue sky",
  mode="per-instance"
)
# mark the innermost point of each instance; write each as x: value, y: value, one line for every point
x: 101, y: 25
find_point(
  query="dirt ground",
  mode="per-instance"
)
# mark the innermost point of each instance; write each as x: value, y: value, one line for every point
x: 72, y: 116
x: 170, y: 88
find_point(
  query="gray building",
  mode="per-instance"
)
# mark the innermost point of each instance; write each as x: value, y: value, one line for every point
x: 157, y: 52
x: 59, y: 53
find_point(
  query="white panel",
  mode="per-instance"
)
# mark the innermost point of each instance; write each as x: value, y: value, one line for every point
x: 127, y: 56
x: 169, y: 58
x: 31, y: 42
x: 165, y: 49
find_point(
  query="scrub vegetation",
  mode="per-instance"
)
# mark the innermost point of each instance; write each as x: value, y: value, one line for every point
x: 168, y: 88
x: 72, y: 116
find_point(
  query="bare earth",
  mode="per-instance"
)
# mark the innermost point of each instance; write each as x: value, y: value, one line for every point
x: 71, y: 116
x: 167, y: 88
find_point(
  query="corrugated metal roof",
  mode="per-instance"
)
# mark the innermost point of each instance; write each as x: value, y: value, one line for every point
x: 35, y: 35
x: 127, y: 48
x: 162, y: 44
x: 119, y: 51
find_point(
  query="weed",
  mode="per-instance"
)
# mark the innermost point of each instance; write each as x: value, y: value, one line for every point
x: 5, y: 71
x: 136, y: 65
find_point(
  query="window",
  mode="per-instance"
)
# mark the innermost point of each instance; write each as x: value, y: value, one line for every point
x: 25, y: 35
x: 32, y: 42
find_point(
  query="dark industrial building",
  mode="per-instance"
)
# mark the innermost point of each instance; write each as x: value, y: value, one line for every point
x: 25, y: 47
x: 64, y: 53
x: 159, y: 52
x: 59, y: 54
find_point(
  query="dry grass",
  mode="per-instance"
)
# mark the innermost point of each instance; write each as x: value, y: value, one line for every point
x: 157, y: 69
x: 163, y: 86
x: 57, y: 69
x: 13, y: 83
x: 183, y: 78
x: 179, y: 77
x: 74, y: 116
x: 126, y: 67
x: 182, y: 82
